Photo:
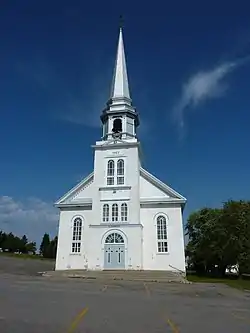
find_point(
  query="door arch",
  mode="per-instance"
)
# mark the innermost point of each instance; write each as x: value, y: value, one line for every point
x: 114, y: 251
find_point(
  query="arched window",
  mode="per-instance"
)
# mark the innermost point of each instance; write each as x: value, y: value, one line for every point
x: 114, y: 238
x: 117, y: 125
x: 105, y: 213
x: 77, y: 235
x: 120, y: 172
x: 162, y: 243
x: 114, y: 213
x: 124, y: 212
x: 111, y: 172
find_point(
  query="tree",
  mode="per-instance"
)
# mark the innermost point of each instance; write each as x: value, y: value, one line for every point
x: 31, y: 247
x: 236, y: 220
x: 203, y: 234
x: 22, y: 244
x: 51, y: 250
x: 44, y: 247
x: 24, y: 239
x: 13, y: 243
x: 219, y: 238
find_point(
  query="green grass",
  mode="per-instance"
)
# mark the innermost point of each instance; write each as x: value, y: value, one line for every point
x: 234, y: 283
x: 24, y: 256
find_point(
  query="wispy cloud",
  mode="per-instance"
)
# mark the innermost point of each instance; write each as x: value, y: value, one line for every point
x: 201, y: 87
x: 32, y: 217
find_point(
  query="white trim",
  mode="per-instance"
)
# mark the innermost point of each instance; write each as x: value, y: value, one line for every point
x: 161, y: 214
x: 105, y: 213
x: 79, y: 234
x: 73, y: 204
x: 111, y: 231
x: 125, y: 212
x: 115, y: 225
x: 114, y: 187
x: 123, y: 169
x: 114, y: 212
x: 162, y: 240
x: 116, y: 144
x: 159, y: 201
x: 75, y: 217
x: 112, y: 200
x: 112, y: 176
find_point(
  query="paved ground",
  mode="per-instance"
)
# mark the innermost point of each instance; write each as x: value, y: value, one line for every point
x: 33, y: 304
x: 21, y: 266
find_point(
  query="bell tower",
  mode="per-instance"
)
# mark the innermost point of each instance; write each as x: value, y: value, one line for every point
x: 120, y: 119
x: 117, y: 155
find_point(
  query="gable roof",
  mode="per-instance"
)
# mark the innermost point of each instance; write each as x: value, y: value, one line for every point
x: 171, y: 195
x: 174, y: 196
x: 71, y: 193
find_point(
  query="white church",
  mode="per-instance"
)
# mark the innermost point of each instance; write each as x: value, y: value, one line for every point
x: 120, y: 217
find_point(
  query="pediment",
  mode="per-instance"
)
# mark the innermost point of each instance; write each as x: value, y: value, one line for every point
x: 153, y: 189
x: 81, y: 193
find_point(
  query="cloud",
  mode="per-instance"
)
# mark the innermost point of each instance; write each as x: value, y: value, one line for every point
x: 32, y: 217
x: 201, y: 87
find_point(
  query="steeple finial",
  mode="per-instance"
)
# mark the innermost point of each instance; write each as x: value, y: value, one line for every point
x: 121, y: 22
x: 120, y: 87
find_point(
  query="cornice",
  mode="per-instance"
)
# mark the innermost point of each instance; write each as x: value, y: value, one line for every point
x: 73, y: 204
x: 123, y: 144
x: 114, y: 188
x: 115, y: 225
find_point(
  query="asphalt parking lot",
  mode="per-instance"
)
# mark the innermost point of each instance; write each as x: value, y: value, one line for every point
x: 34, y: 304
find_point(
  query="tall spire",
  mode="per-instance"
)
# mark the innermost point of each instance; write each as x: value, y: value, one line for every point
x: 120, y: 87
x: 120, y: 118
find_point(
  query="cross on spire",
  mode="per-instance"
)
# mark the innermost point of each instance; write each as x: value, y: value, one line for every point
x: 121, y: 21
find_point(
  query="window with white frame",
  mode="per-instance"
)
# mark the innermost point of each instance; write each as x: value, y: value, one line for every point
x: 120, y: 172
x: 124, y: 212
x: 105, y: 213
x: 114, y: 213
x: 111, y: 172
x: 115, y: 171
x: 77, y: 235
x: 162, y: 244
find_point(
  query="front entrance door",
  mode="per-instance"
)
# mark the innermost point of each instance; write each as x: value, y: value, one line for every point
x: 114, y: 252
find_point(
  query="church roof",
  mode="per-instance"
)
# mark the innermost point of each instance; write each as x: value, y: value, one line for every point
x: 120, y: 86
x: 174, y: 196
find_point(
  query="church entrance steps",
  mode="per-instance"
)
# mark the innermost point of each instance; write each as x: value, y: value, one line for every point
x: 129, y: 275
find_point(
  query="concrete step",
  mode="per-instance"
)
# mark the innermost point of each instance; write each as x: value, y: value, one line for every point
x: 146, y: 276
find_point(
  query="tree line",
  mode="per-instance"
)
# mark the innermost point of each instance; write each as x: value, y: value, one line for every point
x: 14, y: 244
x: 219, y: 238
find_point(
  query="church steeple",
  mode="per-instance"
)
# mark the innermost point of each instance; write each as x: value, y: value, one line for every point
x: 119, y: 118
x: 120, y: 86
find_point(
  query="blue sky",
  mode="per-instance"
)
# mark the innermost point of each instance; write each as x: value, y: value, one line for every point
x: 189, y: 77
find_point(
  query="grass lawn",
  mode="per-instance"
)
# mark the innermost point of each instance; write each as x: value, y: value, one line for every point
x: 24, y: 256
x: 234, y: 283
